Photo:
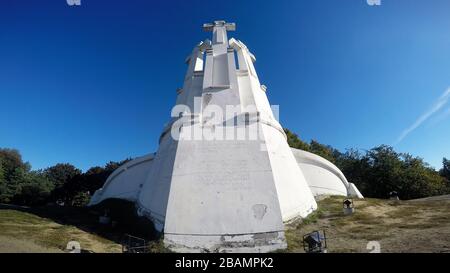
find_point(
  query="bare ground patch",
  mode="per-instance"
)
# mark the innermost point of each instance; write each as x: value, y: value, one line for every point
x: 399, y: 226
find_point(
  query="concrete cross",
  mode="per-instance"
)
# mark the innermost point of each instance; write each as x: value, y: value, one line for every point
x: 219, y: 29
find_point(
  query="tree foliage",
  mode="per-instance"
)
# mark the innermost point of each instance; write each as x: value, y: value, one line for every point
x: 20, y: 185
x: 380, y: 170
x: 295, y: 141
x: 33, y: 189
x: 60, y: 174
x: 62, y: 183
x: 375, y: 172
x: 3, y: 185
x: 445, y: 171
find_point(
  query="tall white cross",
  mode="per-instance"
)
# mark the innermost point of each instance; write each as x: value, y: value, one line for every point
x: 219, y: 29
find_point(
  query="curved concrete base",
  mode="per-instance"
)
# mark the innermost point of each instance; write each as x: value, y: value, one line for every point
x: 323, y: 177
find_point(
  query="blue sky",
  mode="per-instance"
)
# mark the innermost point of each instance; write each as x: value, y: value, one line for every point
x: 95, y: 83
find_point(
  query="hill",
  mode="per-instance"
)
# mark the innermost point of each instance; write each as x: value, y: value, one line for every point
x: 48, y: 229
x: 405, y: 226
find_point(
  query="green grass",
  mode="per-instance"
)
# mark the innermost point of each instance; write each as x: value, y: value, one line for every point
x: 45, y: 232
x: 18, y: 218
x: 373, y: 219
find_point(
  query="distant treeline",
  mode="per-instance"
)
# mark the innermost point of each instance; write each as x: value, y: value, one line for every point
x: 380, y: 170
x: 62, y: 183
x: 375, y: 172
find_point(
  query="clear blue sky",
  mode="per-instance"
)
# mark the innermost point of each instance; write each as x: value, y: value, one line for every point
x: 95, y: 83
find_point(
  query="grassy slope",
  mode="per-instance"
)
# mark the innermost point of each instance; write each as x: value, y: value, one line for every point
x: 403, y: 226
x: 399, y: 227
x: 25, y: 232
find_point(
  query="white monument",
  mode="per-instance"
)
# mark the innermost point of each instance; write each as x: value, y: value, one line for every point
x: 224, y: 177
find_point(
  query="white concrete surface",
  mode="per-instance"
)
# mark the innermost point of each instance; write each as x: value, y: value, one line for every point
x: 353, y: 191
x: 323, y: 177
x: 230, y: 194
x: 125, y: 182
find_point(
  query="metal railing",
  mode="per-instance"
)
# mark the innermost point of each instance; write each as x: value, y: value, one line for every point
x: 133, y: 244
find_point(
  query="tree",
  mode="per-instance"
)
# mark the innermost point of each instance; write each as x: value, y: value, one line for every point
x: 16, y: 179
x: 79, y: 186
x: 20, y: 185
x: 315, y: 147
x: 295, y: 142
x: 419, y: 179
x: 375, y: 172
x: 380, y: 170
x: 81, y: 199
x: 385, y: 167
x: 2, y: 173
x: 3, y: 185
x: 113, y: 165
x: 13, y: 170
x: 34, y: 189
x: 324, y: 151
x: 355, y: 166
x: 11, y: 161
x: 445, y: 171
x: 389, y: 171
x: 95, y: 177
x: 60, y: 174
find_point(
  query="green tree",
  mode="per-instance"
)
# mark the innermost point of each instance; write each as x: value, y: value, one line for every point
x: 95, y: 177
x: 355, y: 166
x: 11, y: 161
x: 380, y: 170
x: 2, y: 172
x: 76, y: 190
x: 16, y: 179
x: 3, y: 185
x: 410, y: 176
x: 445, y: 171
x: 81, y: 199
x: 418, y: 179
x: 13, y: 170
x: 324, y: 151
x: 113, y: 165
x: 385, y: 168
x: 294, y: 141
x: 60, y: 174
x: 34, y: 189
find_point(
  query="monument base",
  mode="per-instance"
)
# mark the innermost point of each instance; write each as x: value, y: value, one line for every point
x: 240, y: 243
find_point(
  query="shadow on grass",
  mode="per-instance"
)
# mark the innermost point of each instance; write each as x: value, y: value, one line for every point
x: 87, y: 220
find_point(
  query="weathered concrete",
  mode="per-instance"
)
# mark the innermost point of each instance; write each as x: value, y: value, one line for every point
x: 323, y: 177
x: 231, y: 189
